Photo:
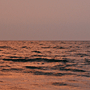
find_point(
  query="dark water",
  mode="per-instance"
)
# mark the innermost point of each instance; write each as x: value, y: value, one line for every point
x: 44, y: 65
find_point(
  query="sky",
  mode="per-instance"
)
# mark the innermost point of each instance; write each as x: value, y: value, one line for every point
x: 44, y: 19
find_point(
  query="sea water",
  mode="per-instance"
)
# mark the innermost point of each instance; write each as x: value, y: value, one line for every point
x: 44, y: 65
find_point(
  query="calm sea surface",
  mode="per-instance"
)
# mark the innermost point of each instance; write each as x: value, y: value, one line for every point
x: 44, y: 65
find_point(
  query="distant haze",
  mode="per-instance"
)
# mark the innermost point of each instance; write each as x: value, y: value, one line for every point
x: 44, y: 19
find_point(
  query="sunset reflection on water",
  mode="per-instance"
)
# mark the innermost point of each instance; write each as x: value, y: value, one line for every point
x: 44, y: 65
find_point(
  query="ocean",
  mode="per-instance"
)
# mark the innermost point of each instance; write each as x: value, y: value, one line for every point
x: 44, y: 65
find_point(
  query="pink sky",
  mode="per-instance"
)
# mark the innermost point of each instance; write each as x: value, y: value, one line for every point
x: 44, y: 19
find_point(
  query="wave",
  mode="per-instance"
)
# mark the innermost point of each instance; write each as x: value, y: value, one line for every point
x: 36, y: 60
x: 5, y: 47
